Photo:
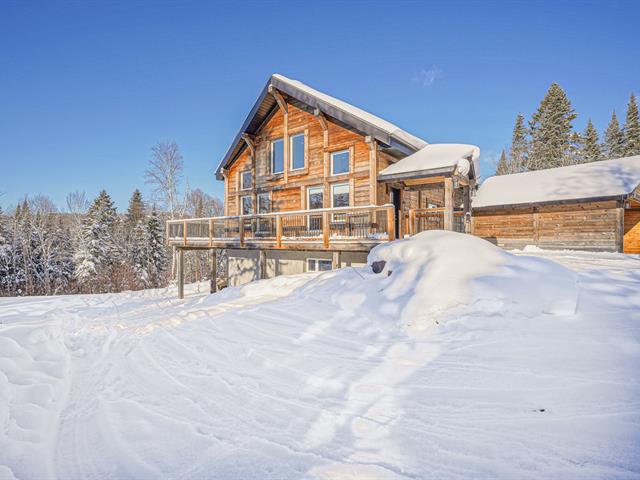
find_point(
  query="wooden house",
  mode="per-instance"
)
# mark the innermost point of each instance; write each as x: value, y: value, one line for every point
x: 312, y: 183
x: 590, y: 206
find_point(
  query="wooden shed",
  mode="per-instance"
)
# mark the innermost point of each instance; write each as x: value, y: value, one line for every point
x: 591, y: 206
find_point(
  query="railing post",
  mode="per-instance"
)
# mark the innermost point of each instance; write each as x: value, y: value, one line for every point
x: 241, y: 230
x: 210, y: 232
x: 391, y: 223
x: 184, y: 232
x: 278, y: 231
x: 412, y: 221
x: 325, y: 229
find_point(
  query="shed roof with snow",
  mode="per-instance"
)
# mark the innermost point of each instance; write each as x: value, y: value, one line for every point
x: 606, y: 179
x: 435, y: 159
x: 396, y: 141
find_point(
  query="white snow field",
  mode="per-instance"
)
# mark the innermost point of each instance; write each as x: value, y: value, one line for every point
x: 458, y: 360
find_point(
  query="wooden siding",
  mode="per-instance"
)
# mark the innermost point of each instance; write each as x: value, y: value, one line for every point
x: 587, y: 226
x: 289, y: 188
x: 632, y: 231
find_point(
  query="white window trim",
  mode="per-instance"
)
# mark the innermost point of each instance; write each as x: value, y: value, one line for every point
x: 304, y: 151
x: 242, y: 205
x: 242, y: 185
x: 319, y: 187
x: 341, y: 184
x: 272, y: 159
x: 317, y: 262
x: 348, y: 151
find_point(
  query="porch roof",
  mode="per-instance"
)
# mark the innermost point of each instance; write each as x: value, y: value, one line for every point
x: 435, y: 159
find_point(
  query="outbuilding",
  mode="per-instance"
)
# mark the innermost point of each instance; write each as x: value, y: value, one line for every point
x: 590, y: 206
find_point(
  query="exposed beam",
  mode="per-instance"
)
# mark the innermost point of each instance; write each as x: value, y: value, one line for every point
x: 250, y: 141
x: 279, y: 99
x: 424, y: 181
x: 321, y: 118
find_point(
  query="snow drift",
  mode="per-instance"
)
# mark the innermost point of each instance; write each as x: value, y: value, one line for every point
x: 438, y: 274
x: 457, y: 360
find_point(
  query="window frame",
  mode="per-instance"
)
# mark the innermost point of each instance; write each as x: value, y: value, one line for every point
x: 309, y: 189
x: 242, y: 197
x: 317, y: 264
x: 272, y: 157
x: 243, y: 187
x: 263, y: 194
x: 333, y: 154
x: 304, y: 151
x: 341, y: 184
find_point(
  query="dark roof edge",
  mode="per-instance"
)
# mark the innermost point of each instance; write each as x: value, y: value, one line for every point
x: 550, y: 202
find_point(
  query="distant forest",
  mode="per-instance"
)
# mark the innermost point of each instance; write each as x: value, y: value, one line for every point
x: 549, y: 139
x: 88, y: 247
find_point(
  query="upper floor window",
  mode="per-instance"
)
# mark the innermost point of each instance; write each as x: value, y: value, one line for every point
x: 340, y: 162
x: 246, y: 180
x: 277, y: 156
x: 264, y: 203
x: 297, y: 151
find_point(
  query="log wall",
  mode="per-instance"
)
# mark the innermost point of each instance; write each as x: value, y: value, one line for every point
x: 632, y: 230
x: 581, y: 226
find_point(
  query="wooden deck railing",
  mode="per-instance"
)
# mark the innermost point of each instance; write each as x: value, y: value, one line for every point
x: 422, y: 219
x: 321, y: 227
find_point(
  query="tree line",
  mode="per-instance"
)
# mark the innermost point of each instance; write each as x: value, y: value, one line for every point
x: 91, y: 248
x: 549, y: 139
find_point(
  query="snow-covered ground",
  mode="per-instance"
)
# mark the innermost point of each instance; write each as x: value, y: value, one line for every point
x: 458, y: 360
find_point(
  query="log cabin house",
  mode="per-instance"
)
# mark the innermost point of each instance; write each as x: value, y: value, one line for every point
x: 313, y: 183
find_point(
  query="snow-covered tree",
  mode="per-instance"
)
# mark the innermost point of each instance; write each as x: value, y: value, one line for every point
x: 591, y: 150
x: 156, y: 250
x: 632, y: 129
x: 6, y: 257
x: 503, y: 167
x: 613, y: 139
x: 551, y: 131
x: 518, y: 152
x: 136, y: 211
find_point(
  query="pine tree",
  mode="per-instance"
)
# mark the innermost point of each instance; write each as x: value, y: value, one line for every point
x: 139, y: 257
x: 551, y: 131
x: 632, y: 129
x: 613, y: 139
x: 157, y: 252
x: 5, y: 256
x: 503, y: 167
x: 519, y: 150
x: 590, y: 146
x: 135, y: 212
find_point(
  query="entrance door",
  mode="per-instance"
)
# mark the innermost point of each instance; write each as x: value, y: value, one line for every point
x: 396, y: 199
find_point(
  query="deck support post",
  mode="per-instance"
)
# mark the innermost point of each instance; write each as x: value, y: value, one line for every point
x: 448, y: 203
x: 213, y: 287
x: 262, y: 264
x: 336, y: 262
x: 180, y: 273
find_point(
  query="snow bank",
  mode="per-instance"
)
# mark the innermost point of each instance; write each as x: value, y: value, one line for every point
x: 438, y: 274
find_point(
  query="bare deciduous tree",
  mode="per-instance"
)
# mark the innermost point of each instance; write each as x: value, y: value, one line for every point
x: 164, y: 175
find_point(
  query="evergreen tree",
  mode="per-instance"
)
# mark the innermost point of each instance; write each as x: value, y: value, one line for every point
x: 519, y: 150
x: 139, y: 255
x: 5, y: 256
x: 591, y: 150
x: 62, y: 268
x: 135, y: 212
x: 613, y: 139
x: 157, y: 252
x: 99, y: 253
x: 632, y: 129
x: 503, y: 167
x: 551, y: 131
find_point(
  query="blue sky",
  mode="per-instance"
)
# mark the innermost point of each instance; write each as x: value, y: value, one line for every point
x: 86, y: 88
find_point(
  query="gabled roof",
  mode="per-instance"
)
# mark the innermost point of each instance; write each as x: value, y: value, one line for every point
x: 435, y: 159
x: 395, y: 140
x: 606, y: 179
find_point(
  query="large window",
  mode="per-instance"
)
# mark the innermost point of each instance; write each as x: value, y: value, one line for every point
x: 315, y: 197
x: 247, y: 205
x: 265, y: 224
x: 277, y: 156
x: 340, y: 162
x: 297, y: 151
x: 318, y: 265
x: 245, y: 180
x: 264, y: 203
x: 340, y: 195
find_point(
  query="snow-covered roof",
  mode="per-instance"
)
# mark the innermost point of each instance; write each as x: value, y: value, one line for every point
x: 603, y: 179
x: 396, y: 141
x: 434, y: 158
x: 378, y: 122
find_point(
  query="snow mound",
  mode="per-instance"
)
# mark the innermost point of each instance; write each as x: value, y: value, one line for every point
x: 438, y: 275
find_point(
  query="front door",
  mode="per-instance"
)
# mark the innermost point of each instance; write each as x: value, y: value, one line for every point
x: 396, y: 199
